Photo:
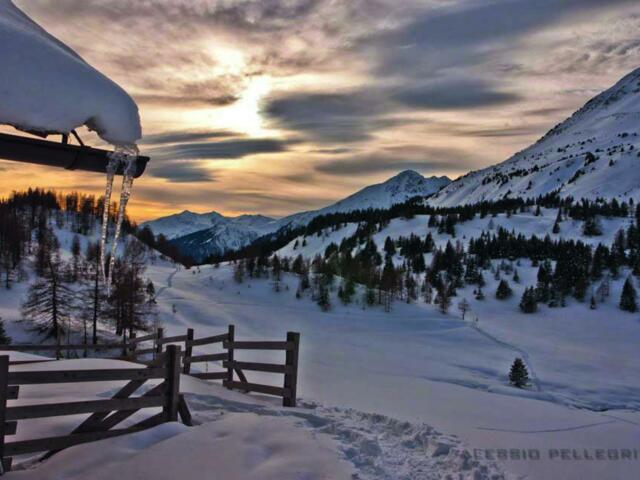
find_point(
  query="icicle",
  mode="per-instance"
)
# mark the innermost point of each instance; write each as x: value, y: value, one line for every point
x: 112, y: 167
x: 129, y: 156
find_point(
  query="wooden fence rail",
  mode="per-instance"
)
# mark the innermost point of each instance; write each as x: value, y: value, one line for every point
x: 105, y: 414
x: 133, y: 350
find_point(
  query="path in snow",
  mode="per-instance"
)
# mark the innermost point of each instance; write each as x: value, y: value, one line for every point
x: 525, y: 355
x: 379, y: 447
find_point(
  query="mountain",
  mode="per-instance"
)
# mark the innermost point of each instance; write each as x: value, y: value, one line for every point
x: 199, y: 235
x: 397, y: 189
x: 186, y: 223
x: 594, y: 153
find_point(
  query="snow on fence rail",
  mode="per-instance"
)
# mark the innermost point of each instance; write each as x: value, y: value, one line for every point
x: 105, y: 414
x: 231, y: 368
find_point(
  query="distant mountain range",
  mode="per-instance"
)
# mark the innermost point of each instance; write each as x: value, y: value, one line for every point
x: 200, y: 235
x: 594, y: 153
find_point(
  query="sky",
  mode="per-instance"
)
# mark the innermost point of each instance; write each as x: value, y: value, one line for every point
x: 278, y: 106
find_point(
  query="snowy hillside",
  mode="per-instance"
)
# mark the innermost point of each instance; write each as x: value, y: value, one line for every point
x: 592, y: 154
x: 202, y: 235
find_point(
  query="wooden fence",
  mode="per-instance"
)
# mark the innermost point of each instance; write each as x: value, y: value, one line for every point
x: 104, y: 414
x: 133, y: 350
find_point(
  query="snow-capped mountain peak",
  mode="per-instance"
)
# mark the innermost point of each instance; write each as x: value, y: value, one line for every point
x: 591, y: 154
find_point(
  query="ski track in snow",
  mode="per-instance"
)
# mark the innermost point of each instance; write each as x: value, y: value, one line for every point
x: 525, y: 355
x: 169, y: 282
x: 551, y: 430
x: 379, y: 447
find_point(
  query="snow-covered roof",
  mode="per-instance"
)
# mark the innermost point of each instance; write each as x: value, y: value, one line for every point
x: 45, y: 86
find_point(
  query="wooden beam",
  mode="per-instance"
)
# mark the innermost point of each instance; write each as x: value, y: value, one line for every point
x: 4, y: 389
x: 208, y: 340
x: 188, y: 352
x: 259, y: 367
x: 291, y: 378
x: 214, y: 357
x: 210, y: 375
x: 260, y: 345
x: 172, y: 380
x: 59, y: 443
x: 62, y: 155
x: 73, y: 376
x: 88, y: 406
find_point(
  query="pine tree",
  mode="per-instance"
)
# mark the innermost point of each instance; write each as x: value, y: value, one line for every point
x: 128, y: 306
x: 49, y: 301
x: 443, y: 298
x: 92, y: 297
x: 529, y: 303
x: 516, y: 277
x: 75, y: 258
x: 324, y: 301
x: 628, y: 297
x: 591, y: 227
x: 518, y: 375
x: 504, y: 290
x: 4, y: 338
x: 593, y: 305
x: 556, y: 228
x: 238, y: 271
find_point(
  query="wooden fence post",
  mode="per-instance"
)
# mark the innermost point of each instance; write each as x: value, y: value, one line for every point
x: 4, y: 391
x: 159, y: 335
x: 188, y: 351
x: 230, y: 340
x: 172, y: 381
x: 291, y: 377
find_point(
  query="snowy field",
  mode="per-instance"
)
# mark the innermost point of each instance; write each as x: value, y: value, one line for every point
x: 581, y: 361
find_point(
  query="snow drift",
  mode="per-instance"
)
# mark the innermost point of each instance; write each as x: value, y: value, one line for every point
x: 46, y: 87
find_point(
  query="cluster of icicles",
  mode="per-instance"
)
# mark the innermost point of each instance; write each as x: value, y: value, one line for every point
x: 122, y: 157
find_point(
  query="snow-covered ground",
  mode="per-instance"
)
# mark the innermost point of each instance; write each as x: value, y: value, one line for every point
x: 417, y: 365
x: 242, y: 437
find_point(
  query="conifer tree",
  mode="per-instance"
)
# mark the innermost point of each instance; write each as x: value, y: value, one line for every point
x: 628, y: 297
x: 49, y: 300
x: 238, y: 271
x: 324, y: 300
x: 75, y: 258
x: 518, y: 375
x: 504, y: 290
x: 4, y: 338
x: 529, y: 303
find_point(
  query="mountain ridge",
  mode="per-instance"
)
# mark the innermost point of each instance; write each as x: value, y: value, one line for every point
x: 202, y: 234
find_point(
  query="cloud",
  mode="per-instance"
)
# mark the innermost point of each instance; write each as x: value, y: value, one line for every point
x: 333, y: 117
x: 225, y: 149
x: 186, y: 136
x: 454, y: 94
x: 181, y: 172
